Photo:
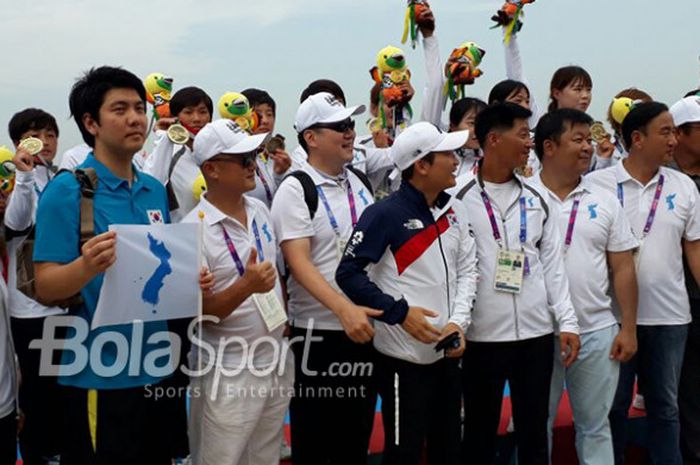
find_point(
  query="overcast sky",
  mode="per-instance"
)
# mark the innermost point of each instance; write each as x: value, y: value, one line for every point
x: 281, y: 45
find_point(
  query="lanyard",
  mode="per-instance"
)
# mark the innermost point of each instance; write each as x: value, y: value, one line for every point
x: 268, y: 192
x: 331, y: 216
x: 572, y: 222
x: 654, y: 203
x: 494, y: 224
x: 234, y: 254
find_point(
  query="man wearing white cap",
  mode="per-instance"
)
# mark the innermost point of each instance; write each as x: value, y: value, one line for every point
x: 686, y: 117
x: 523, y: 290
x: 314, y: 212
x: 238, y: 406
x: 423, y: 276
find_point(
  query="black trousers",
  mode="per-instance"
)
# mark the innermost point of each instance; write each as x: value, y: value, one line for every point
x: 131, y: 427
x: 332, y: 412
x: 689, y: 391
x: 8, y: 439
x: 429, y: 403
x: 39, y: 396
x: 527, y: 366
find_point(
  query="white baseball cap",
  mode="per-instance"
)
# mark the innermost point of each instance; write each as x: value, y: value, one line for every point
x: 420, y: 139
x: 323, y: 108
x: 223, y: 136
x: 686, y: 110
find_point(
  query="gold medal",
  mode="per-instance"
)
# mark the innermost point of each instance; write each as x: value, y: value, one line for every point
x: 398, y: 76
x: 274, y: 144
x: 32, y: 145
x: 178, y: 134
x: 598, y: 132
x: 374, y: 125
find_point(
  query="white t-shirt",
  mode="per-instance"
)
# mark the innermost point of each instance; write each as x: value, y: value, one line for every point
x: 504, y: 194
x: 292, y: 220
x: 244, y: 322
x: 663, y: 299
x: 600, y: 227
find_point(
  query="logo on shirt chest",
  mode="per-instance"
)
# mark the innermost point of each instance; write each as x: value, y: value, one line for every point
x: 155, y: 216
x: 670, y: 199
x: 452, y: 219
x: 266, y: 232
x: 363, y: 196
x: 592, y: 212
x: 413, y: 224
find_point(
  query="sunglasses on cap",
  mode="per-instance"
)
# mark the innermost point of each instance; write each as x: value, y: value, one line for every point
x: 244, y: 159
x: 340, y: 126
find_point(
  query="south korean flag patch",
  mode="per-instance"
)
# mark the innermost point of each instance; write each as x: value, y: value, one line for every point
x: 155, y: 217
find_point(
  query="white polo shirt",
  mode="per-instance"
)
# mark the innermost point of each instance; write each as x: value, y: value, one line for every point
x: 663, y: 299
x: 245, y: 321
x: 292, y: 220
x: 600, y: 226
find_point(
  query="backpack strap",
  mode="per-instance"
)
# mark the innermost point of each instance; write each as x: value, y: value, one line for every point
x: 362, y: 177
x: 172, y: 200
x: 87, y: 178
x: 309, y: 187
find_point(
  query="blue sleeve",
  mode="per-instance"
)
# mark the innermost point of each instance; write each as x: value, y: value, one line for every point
x: 57, y: 236
x: 368, y: 244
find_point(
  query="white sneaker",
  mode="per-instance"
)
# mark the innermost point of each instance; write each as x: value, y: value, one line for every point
x: 285, y: 451
x: 638, y: 402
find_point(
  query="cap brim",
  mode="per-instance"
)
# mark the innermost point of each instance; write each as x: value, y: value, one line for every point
x: 452, y: 141
x: 344, y: 114
x: 248, y: 144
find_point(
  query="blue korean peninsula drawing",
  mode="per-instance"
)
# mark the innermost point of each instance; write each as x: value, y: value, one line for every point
x: 151, y: 291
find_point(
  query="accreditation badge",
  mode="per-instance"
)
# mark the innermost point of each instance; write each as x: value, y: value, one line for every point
x: 510, y: 266
x: 340, y: 245
x: 270, y: 309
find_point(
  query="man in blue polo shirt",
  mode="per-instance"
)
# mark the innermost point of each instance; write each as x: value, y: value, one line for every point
x: 109, y: 417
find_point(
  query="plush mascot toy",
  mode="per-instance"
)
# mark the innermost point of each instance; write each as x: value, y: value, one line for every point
x: 410, y: 25
x: 7, y: 170
x: 235, y: 106
x: 158, y: 93
x: 199, y: 187
x: 392, y: 73
x: 509, y: 17
x: 620, y: 108
x: 462, y: 69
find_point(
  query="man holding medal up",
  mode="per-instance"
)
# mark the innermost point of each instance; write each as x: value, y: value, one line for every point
x: 663, y: 208
x: 597, y: 236
x: 522, y: 291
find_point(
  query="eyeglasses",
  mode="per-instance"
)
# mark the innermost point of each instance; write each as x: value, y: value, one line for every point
x: 340, y: 126
x: 244, y: 159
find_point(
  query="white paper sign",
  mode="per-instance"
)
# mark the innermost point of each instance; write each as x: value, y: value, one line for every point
x: 155, y: 276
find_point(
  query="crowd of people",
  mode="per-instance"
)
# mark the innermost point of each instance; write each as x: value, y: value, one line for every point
x: 427, y: 264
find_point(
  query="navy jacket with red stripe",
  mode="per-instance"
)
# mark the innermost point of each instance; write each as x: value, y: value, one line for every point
x: 403, y: 253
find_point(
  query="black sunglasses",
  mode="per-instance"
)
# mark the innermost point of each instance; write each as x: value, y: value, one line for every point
x: 244, y: 159
x: 340, y: 126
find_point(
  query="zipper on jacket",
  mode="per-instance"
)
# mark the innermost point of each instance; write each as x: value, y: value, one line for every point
x: 447, y: 273
x: 505, y: 235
